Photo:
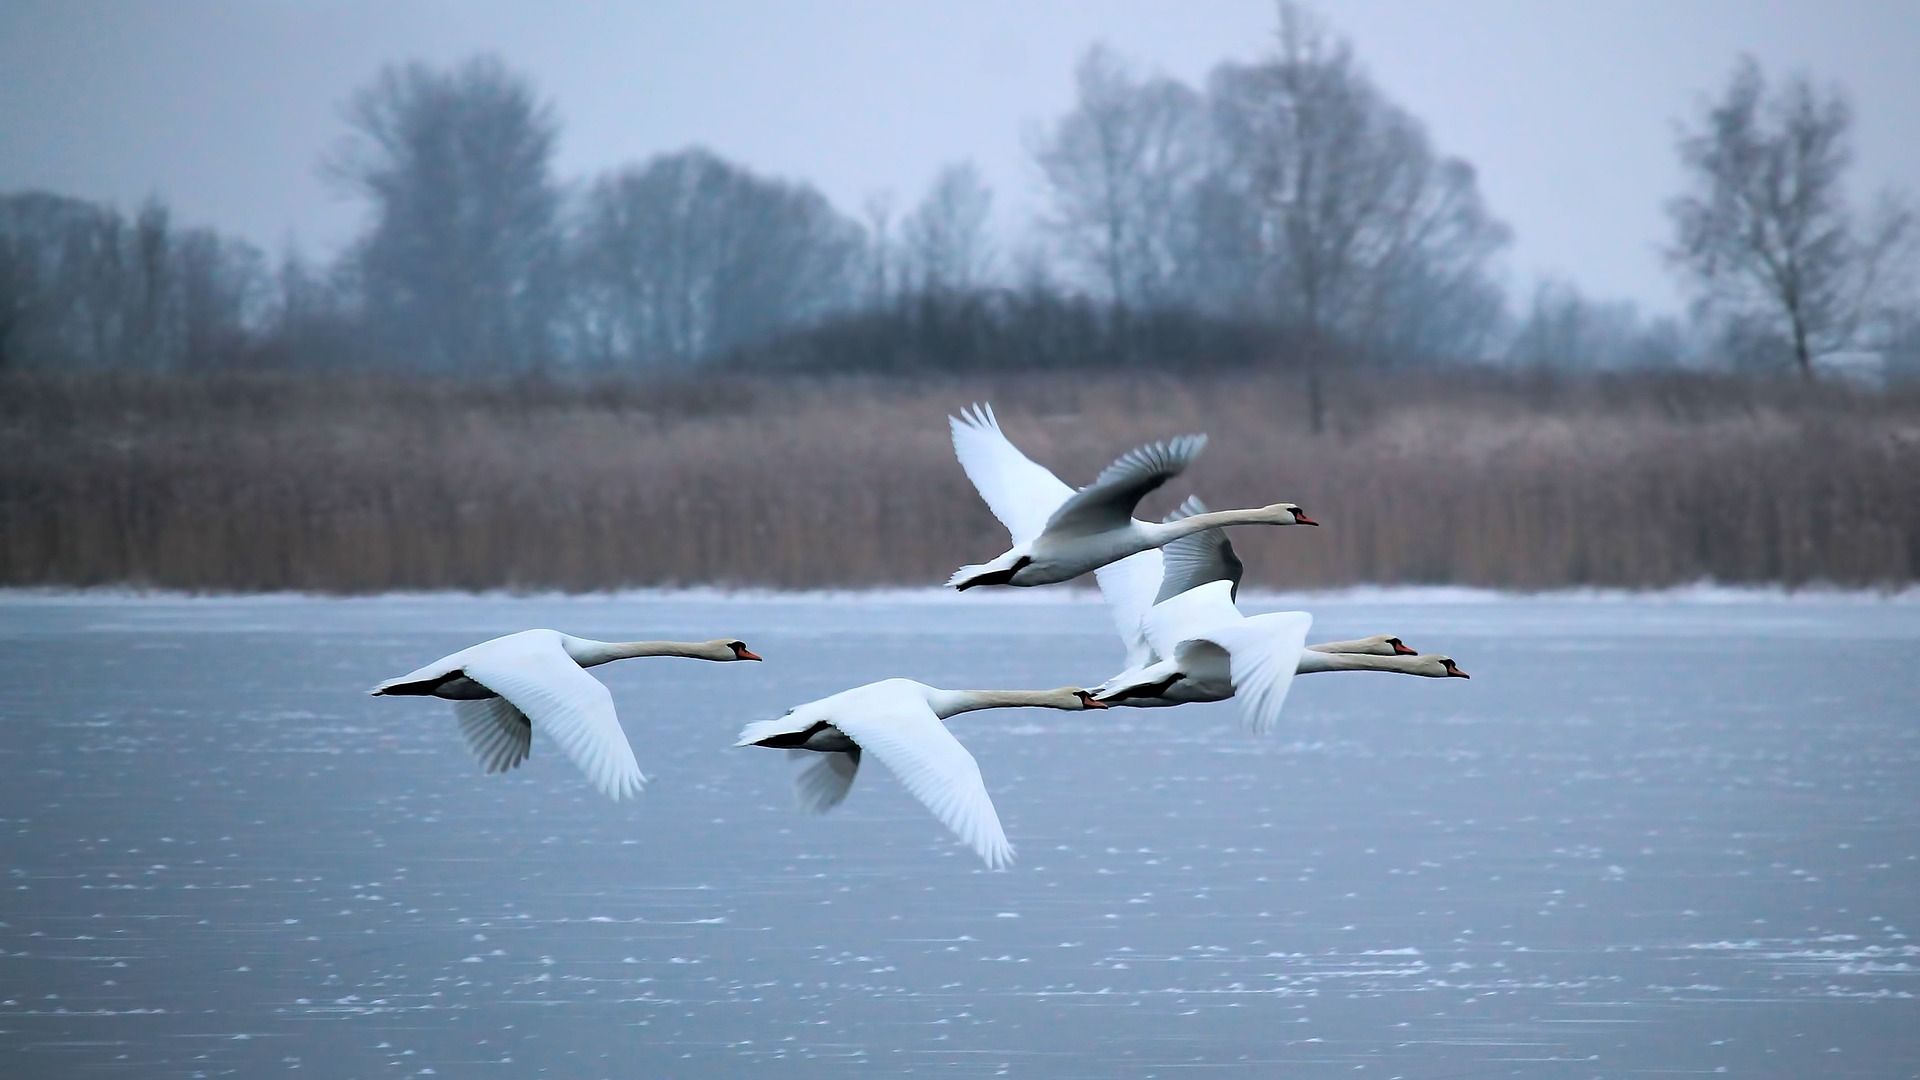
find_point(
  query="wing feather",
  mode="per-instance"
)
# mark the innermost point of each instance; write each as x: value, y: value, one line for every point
x: 1196, y: 559
x: 1108, y: 502
x: 540, y: 680
x: 1020, y: 492
x: 823, y: 782
x: 499, y: 735
x: 1264, y: 652
x: 900, y: 729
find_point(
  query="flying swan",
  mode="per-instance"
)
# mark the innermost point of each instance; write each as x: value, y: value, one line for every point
x: 501, y: 688
x: 901, y: 722
x: 1058, y: 533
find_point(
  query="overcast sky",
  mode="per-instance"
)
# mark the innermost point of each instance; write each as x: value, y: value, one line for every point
x: 223, y: 108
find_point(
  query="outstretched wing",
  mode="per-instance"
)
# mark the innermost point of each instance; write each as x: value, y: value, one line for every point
x: 1128, y: 587
x: 823, y: 782
x: 1198, y: 558
x: 1263, y: 653
x: 498, y: 734
x: 900, y: 729
x: 1022, y: 494
x: 1193, y: 614
x: 540, y: 680
x: 1108, y: 502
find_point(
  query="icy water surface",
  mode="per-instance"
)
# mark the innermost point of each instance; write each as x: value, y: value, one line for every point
x: 1647, y: 838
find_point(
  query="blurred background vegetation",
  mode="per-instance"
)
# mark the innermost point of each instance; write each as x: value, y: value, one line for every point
x: 682, y: 371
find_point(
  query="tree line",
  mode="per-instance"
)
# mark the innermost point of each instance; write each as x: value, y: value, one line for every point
x: 1284, y: 212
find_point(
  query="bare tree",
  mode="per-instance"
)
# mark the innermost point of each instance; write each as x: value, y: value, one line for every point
x: 945, y: 241
x: 1121, y: 169
x: 1764, y: 233
x: 460, y: 264
x: 690, y: 255
x: 1354, y: 222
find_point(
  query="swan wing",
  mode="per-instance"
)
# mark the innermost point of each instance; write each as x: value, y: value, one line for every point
x: 499, y: 735
x: 1192, y: 614
x: 1108, y: 502
x: 1263, y: 653
x: 1128, y: 587
x: 823, y: 782
x: 540, y: 680
x: 1197, y: 558
x: 897, y: 726
x: 1021, y: 493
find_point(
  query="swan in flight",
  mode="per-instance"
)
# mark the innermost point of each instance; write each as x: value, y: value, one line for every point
x: 1208, y: 651
x: 900, y: 722
x: 1058, y: 533
x: 501, y: 688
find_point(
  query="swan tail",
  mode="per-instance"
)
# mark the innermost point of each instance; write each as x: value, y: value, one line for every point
x: 762, y: 730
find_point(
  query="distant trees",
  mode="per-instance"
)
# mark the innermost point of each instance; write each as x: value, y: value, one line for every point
x: 1560, y: 328
x: 1764, y: 234
x: 689, y: 255
x: 944, y: 241
x: 460, y: 267
x: 1122, y: 169
x: 84, y: 288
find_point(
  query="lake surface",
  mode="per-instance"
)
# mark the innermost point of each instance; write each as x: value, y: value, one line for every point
x: 1649, y: 837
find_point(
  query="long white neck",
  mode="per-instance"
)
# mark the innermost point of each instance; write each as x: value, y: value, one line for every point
x: 1311, y: 662
x: 590, y: 653
x: 1164, y: 532
x: 946, y: 703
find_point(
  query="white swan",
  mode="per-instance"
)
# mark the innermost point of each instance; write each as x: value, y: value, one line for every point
x: 1207, y: 651
x: 501, y: 688
x: 1134, y: 584
x: 899, y: 721
x: 1058, y: 533
x: 1211, y: 652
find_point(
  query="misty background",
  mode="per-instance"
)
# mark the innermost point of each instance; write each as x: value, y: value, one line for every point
x: 296, y: 272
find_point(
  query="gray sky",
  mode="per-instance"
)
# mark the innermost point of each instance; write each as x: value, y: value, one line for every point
x: 223, y: 108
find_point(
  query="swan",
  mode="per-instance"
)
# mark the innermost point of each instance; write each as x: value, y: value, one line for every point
x: 1134, y: 584
x: 1207, y: 651
x: 502, y: 687
x: 1058, y: 533
x: 1212, y: 652
x: 900, y: 721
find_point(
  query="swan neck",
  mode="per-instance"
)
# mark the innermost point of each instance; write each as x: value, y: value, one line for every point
x: 588, y: 653
x: 1312, y: 661
x: 1173, y: 530
x: 947, y: 703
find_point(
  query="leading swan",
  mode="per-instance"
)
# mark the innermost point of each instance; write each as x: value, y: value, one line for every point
x: 1058, y: 533
x: 501, y: 688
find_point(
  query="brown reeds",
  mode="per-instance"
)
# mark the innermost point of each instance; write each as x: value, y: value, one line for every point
x: 363, y: 483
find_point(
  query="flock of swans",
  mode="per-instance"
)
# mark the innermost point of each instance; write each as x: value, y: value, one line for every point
x: 1171, y: 586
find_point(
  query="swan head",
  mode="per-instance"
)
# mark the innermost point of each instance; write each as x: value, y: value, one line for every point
x: 1288, y: 514
x: 1436, y: 667
x: 1379, y: 645
x: 727, y: 649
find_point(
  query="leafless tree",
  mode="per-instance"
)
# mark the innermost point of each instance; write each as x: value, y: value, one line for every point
x: 689, y: 255
x: 1354, y: 221
x: 1121, y: 169
x: 460, y: 265
x: 944, y: 239
x: 1764, y: 233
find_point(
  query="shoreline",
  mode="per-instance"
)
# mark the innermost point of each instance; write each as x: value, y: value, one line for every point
x: 1699, y: 593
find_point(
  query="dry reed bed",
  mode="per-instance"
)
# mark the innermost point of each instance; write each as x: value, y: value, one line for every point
x: 357, y: 484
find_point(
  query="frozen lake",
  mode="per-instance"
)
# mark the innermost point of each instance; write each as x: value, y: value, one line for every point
x: 1659, y: 837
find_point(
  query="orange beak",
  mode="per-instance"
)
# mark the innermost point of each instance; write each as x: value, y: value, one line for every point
x: 1400, y: 649
x: 1302, y: 519
x: 744, y: 653
x: 1457, y: 673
